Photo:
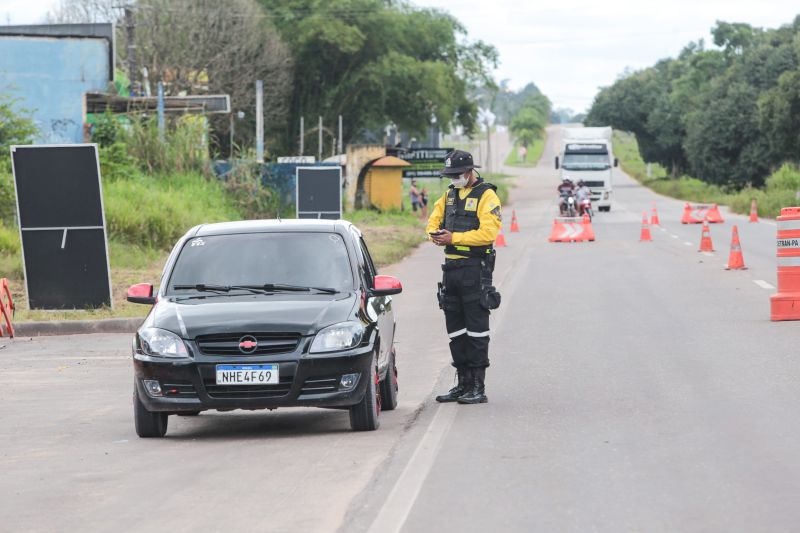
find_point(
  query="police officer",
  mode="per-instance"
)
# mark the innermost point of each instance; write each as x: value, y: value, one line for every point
x: 466, y: 221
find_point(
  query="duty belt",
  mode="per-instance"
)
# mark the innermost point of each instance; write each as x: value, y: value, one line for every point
x: 452, y: 264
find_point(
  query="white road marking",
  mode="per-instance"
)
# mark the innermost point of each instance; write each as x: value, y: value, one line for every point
x: 687, y: 243
x: 674, y: 236
x: 663, y: 229
x: 395, y: 510
x: 763, y: 284
x: 767, y: 222
x: 709, y: 254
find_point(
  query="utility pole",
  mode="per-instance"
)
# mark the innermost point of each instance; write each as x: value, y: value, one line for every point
x: 129, y: 37
x: 259, y: 121
x: 161, y: 112
x: 340, y: 134
x: 319, y: 140
x: 302, y: 135
x: 232, y: 129
x: 488, y: 146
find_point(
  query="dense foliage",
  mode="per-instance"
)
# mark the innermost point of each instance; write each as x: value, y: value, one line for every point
x: 378, y: 61
x: 729, y: 116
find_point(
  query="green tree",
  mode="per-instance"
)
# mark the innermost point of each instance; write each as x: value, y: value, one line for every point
x: 529, y: 122
x: 377, y: 61
x: 727, y: 116
x: 778, y: 113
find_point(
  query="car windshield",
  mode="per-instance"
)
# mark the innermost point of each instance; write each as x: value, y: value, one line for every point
x: 256, y: 259
x: 586, y: 162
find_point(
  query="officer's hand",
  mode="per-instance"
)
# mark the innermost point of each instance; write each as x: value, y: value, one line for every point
x: 443, y: 238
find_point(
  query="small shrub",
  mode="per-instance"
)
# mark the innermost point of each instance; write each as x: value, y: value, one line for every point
x: 786, y: 178
x: 116, y: 163
x: 9, y: 240
x: 253, y: 199
x: 107, y: 129
x: 183, y: 149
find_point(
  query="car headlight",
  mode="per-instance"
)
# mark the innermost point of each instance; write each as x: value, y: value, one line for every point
x: 155, y: 341
x: 338, y: 337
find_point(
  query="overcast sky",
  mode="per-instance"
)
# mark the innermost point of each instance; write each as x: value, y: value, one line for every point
x: 568, y: 48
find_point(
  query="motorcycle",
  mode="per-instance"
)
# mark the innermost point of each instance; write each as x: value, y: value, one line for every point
x: 585, y: 208
x: 567, y: 204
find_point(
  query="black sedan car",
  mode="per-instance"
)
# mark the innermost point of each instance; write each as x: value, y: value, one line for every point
x: 266, y: 314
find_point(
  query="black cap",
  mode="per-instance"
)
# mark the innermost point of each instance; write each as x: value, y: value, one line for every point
x: 457, y: 162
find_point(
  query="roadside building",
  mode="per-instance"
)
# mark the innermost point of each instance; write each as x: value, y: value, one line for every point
x: 48, y: 69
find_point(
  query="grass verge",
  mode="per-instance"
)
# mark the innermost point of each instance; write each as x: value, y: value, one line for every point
x: 390, y: 235
x: 782, y: 187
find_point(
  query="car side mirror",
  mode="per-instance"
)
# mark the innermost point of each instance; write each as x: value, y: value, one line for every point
x: 556, y: 162
x: 141, y: 293
x: 385, y: 286
x: 616, y: 162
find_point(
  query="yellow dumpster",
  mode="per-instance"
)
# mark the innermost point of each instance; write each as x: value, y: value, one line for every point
x: 384, y: 182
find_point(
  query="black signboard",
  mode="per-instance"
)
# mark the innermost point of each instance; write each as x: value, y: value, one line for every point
x: 425, y: 162
x: 62, y: 226
x: 319, y: 192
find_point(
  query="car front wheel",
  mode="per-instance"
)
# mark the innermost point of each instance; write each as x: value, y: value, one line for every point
x: 365, y: 415
x: 148, y: 424
x: 389, y: 387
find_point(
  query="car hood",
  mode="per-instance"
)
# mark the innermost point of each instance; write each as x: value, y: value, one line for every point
x: 276, y: 313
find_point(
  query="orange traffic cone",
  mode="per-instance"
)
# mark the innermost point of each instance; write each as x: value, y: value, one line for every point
x: 654, y: 217
x: 500, y: 241
x: 735, y: 259
x: 705, y: 239
x: 645, y: 235
x: 514, y: 225
x: 753, y: 211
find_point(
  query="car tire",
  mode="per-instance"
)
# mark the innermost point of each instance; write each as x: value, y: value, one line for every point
x: 389, y: 388
x: 365, y: 415
x: 148, y: 424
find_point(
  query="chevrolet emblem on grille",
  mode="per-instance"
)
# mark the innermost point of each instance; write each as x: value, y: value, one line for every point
x: 248, y: 344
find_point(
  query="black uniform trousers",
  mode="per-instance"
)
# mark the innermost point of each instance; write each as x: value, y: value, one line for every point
x: 467, y: 321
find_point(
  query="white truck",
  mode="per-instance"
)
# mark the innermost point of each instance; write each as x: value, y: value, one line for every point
x: 586, y: 155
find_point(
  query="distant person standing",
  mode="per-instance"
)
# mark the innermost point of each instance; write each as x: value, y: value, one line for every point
x: 414, y: 196
x: 522, y: 153
x: 423, y: 197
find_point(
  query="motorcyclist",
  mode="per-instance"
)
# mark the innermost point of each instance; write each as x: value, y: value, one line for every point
x: 565, y: 190
x: 581, y: 194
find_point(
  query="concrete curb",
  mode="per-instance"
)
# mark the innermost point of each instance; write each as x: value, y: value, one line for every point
x: 77, y: 327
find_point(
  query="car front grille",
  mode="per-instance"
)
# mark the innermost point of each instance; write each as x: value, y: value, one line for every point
x: 319, y: 385
x: 228, y: 344
x: 249, y: 391
x: 590, y: 183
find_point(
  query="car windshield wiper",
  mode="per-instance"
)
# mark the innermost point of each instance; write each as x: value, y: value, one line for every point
x: 257, y: 289
x: 220, y: 288
x: 292, y: 288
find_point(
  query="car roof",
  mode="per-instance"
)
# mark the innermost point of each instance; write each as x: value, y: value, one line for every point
x: 272, y: 226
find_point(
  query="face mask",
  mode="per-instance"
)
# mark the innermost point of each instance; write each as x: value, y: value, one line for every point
x: 461, y: 182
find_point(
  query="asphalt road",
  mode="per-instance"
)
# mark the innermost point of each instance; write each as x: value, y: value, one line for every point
x: 634, y: 386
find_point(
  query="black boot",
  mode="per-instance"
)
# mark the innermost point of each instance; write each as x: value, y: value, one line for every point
x: 476, y: 392
x: 464, y: 381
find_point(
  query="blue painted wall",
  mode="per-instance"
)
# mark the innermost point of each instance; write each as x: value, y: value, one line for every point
x: 49, y: 76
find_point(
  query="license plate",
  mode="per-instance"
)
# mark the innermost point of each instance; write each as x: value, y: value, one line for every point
x: 247, y: 374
